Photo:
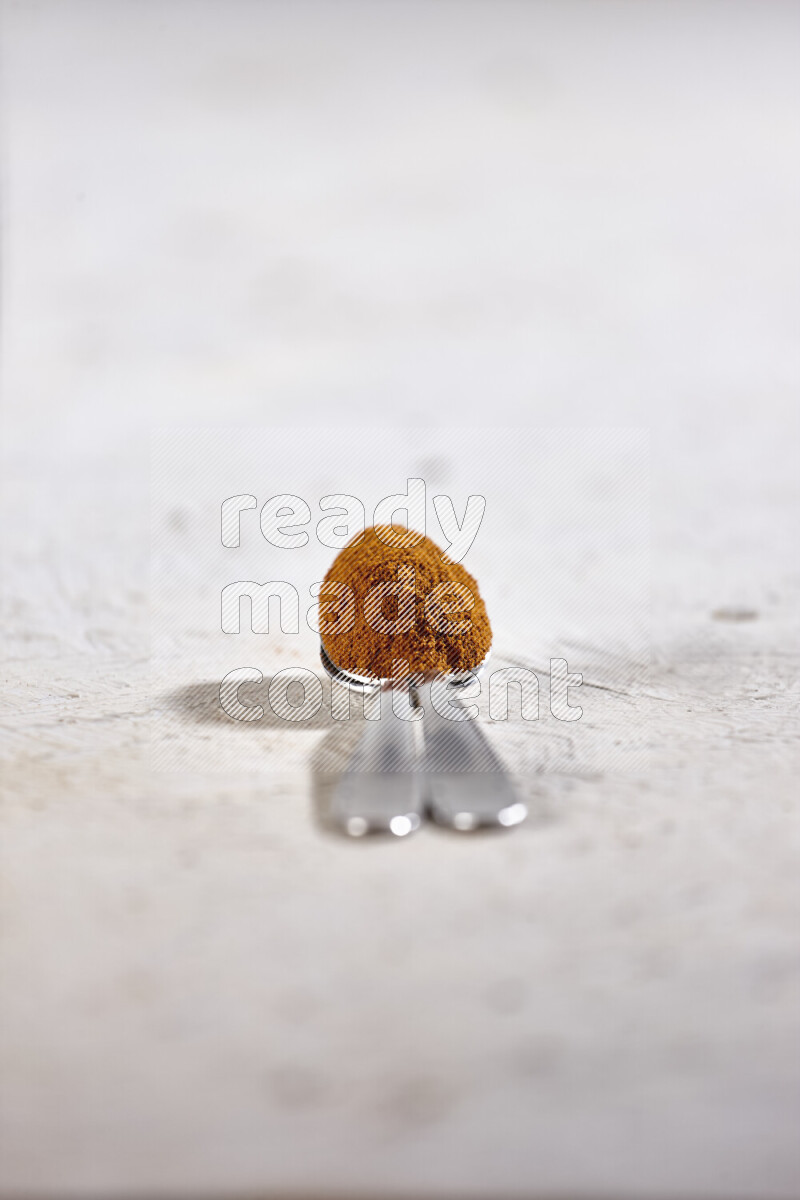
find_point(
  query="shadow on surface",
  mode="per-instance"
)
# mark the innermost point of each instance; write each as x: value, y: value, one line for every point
x: 199, y: 703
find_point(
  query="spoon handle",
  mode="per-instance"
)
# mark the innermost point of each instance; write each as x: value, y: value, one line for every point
x: 379, y: 789
x: 465, y: 781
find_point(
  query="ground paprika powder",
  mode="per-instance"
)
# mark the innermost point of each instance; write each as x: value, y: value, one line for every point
x: 392, y: 594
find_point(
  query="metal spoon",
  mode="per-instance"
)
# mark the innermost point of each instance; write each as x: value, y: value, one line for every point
x: 466, y: 783
x: 380, y: 789
x: 462, y: 782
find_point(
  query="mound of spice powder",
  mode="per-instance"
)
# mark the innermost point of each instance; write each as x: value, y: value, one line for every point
x: 406, y: 602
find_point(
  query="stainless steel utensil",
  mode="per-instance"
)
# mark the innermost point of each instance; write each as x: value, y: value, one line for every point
x: 466, y: 783
x: 401, y: 769
x: 380, y: 789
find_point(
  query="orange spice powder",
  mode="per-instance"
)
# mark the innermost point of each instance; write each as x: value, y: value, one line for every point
x: 406, y: 602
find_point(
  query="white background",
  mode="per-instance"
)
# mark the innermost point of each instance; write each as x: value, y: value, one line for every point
x: 433, y: 216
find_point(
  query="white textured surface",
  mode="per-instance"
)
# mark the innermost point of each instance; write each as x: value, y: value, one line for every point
x: 246, y: 214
